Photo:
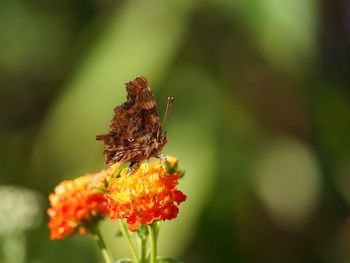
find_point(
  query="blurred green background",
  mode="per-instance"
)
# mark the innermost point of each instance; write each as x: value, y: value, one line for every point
x: 261, y: 121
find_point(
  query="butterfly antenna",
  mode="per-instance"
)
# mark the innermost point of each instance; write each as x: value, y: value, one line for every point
x: 168, y: 109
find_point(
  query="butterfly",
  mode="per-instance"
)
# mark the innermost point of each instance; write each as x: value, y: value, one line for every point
x: 136, y: 133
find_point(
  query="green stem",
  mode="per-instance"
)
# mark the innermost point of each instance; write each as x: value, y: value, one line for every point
x: 143, y: 249
x: 125, y: 231
x: 153, y: 230
x: 101, y: 244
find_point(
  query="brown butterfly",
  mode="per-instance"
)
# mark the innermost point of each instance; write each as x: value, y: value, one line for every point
x: 136, y: 133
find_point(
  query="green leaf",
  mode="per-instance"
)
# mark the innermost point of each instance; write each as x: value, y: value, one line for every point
x: 170, y: 168
x: 182, y: 173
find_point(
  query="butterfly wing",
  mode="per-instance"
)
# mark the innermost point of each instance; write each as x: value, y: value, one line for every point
x: 136, y: 132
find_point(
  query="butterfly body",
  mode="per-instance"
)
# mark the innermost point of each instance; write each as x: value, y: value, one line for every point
x: 136, y: 133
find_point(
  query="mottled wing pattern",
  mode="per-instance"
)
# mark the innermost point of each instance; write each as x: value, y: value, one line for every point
x: 136, y: 132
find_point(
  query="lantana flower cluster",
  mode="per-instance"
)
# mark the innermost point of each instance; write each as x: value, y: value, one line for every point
x: 149, y: 194
x: 75, y: 204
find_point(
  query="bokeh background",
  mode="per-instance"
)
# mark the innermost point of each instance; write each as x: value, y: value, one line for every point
x: 261, y: 121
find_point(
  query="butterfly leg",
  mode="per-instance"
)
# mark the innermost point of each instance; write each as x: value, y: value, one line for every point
x: 145, y: 167
x: 133, y: 167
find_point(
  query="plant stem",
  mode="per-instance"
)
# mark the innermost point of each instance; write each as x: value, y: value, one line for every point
x: 101, y: 244
x: 125, y: 231
x: 153, y: 230
x: 143, y: 249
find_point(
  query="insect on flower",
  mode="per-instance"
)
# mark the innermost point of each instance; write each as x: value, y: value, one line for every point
x: 136, y: 133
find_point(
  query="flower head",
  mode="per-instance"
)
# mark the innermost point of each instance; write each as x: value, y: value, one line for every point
x: 74, y: 205
x: 150, y: 194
